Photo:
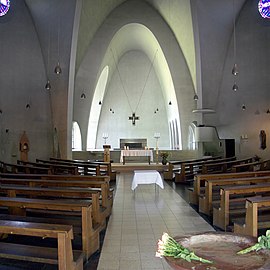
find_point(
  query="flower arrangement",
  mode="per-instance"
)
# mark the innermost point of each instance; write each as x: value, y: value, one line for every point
x: 164, y: 154
x: 167, y: 246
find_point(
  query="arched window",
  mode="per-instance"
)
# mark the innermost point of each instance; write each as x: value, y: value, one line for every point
x: 191, y: 138
x: 76, y: 137
x: 171, y: 135
x: 177, y: 146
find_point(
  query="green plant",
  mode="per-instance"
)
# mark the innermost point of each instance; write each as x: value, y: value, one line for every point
x: 164, y: 155
x: 167, y: 246
x: 263, y: 243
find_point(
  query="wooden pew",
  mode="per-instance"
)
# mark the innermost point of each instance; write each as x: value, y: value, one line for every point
x: 59, y: 168
x: 222, y: 215
x: 90, y: 234
x: 206, y: 201
x: 100, y: 186
x: 54, y: 168
x: 63, y: 255
x: 199, y: 181
x: 105, y: 167
x: 251, y: 167
x: 84, y: 168
x: 253, y: 222
x: 188, y: 170
x: 94, y: 181
x: 98, y: 218
x: 222, y: 167
x: 18, y: 168
x: 175, y: 166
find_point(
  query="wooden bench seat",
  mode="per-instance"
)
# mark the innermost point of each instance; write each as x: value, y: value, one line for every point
x: 212, y: 187
x: 189, y: 170
x: 175, y: 166
x: 63, y: 255
x: 18, y: 168
x: 90, y: 235
x: 221, y: 215
x: 59, y: 168
x: 55, y: 192
x: 200, y: 180
x: 101, y: 182
x: 84, y: 168
x: 252, y: 166
x: 100, y: 213
x: 253, y: 220
x: 224, y: 166
x: 103, y: 168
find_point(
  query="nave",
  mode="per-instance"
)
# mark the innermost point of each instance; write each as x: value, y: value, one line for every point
x: 138, y: 220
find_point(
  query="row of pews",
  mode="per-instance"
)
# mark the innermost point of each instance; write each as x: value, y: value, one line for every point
x: 63, y: 214
x: 184, y: 171
x: 60, y: 166
x: 235, y: 201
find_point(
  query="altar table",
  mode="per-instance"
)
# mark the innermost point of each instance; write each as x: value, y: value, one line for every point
x: 146, y: 177
x: 136, y: 153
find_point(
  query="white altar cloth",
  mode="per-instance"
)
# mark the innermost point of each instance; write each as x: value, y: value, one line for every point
x: 146, y: 177
x: 136, y: 153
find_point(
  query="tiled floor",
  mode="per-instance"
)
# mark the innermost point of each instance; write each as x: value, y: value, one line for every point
x: 138, y: 221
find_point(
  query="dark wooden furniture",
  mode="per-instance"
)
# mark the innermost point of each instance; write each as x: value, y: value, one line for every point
x: 63, y: 255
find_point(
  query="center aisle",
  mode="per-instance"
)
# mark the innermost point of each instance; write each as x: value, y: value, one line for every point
x: 139, y: 219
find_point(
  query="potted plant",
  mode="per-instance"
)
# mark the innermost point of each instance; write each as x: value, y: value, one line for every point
x: 164, y: 156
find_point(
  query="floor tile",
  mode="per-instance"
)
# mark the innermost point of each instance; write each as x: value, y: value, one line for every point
x: 138, y: 221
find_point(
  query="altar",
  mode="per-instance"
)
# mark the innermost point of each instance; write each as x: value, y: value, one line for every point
x: 136, y: 153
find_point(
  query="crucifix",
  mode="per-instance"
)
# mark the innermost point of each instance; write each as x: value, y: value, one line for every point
x: 133, y: 118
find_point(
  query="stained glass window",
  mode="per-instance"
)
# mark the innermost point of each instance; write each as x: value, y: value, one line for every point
x: 264, y: 8
x: 4, y: 7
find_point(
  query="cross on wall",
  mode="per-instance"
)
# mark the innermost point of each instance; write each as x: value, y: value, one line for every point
x: 134, y: 118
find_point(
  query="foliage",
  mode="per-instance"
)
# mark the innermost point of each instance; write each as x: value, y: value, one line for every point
x: 164, y: 155
x: 263, y: 243
x: 167, y: 246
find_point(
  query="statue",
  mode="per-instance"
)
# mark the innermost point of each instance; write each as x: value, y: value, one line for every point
x: 263, y: 139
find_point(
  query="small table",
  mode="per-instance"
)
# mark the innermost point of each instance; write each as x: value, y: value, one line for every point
x: 146, y: 177
x: 136, y: 153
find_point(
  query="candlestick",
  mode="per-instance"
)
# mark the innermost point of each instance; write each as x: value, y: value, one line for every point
x: 157, y: 136
x: 105, y: 136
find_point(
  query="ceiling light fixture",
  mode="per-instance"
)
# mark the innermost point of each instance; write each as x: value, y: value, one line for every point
x: 196, y: 97
x: 235, y: 67
x: 58, y: 69
x: 235, y: 87
x: 48, y: 84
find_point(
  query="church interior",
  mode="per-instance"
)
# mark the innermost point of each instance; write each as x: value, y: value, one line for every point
x: 100, y: 92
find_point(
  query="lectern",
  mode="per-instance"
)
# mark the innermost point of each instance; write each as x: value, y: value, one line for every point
x: 107, y: 157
